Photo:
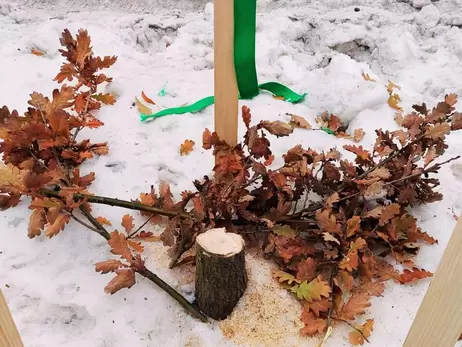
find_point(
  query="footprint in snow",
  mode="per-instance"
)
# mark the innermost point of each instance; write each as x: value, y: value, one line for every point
x: 117, y: 166
x: 457, y: 171
x: 15, y: 222
x: 142, y: 135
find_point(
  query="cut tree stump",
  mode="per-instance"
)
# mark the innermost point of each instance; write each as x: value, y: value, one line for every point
x: 221, y: 277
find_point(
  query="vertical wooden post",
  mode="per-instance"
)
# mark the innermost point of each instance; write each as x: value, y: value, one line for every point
x: 439, y: 320
x: 226, y: 94
x: 9, y: 335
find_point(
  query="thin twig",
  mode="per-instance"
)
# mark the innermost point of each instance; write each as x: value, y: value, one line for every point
x: 38, y: 160
x: 352, y: 326
x: 85, y: 111
x: 295, y: 206
x: 99, y: 228
x: 88, y: 226
x: 331, y: 283
x: 234, y: 179
x: 192, y: 309
x: 331, y: 308
x: 141, y: 226
x: 391, y: 157
x: 431, y: 168
x: 319, y: 205
x: 319, y: 170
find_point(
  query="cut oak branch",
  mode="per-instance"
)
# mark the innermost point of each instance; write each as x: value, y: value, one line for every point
x: 190, y: 308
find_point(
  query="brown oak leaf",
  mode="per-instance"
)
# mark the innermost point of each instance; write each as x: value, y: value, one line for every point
x: 147, y: 99
x: 299, y: 121
x: 147, y: 237
x: 58, y: 225
x: 438, y: 131
x: 456, y: 123
x: 107, y: 98
x: 127, y: 223
x: 355, y: 306
x: 410, y: 276
x: 187, y: 147
x: 331, y: 200
x: 327, y: 222
x: 334, y: 123
x: 206, y: 139
x: 125, y: 279
x: 36, y: 222
x: 246, y: 116
x: 362, y: 155
x: 108, y: 266
x: 277, y: 128
x: 353, y: 225
x: 103, y: 221
x: 350, y: 261
x: 344, y: 280
x: 375, y: 189
x: 380, y: 172
x: 119, y: 245
x: 283, y: 276
x: 451, y: 99
x: 306, y: 270
x: 313, y: 324
x: 142, y: 108
x: 318, y: 306
x: 384, y: 213
x: 358, y: 135
x: 373, y: 288
x: 361, y: 333
x: 136, y: 246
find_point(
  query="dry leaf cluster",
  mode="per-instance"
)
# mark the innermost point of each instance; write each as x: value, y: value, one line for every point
x: 338, y: 229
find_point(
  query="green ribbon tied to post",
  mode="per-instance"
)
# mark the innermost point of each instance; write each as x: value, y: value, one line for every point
x: 245, y: 23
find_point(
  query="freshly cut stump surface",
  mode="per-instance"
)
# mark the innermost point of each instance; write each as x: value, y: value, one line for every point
x: 220, y: 272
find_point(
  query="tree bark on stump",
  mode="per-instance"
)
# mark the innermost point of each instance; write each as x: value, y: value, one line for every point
x: 221, y: 278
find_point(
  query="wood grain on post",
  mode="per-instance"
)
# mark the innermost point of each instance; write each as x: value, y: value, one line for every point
x: 225, y: 89
x: 9, y: 335
x: 438, y: 322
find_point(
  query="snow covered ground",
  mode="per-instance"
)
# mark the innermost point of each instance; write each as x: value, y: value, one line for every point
x: 320, y: 47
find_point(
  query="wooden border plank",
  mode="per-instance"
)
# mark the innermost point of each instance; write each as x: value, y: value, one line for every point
x: 439, y: 319
x: 9, y: 335
x: 225, y: 85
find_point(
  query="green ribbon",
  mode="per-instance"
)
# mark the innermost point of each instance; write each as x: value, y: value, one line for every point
x: 245, y: 22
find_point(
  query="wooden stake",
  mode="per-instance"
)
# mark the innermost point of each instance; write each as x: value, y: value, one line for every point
x: 226, y: 94
x: 439, y: 320
x: 9, y: 335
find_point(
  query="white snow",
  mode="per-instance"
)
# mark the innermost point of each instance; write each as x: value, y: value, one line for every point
x: 319, y: 46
